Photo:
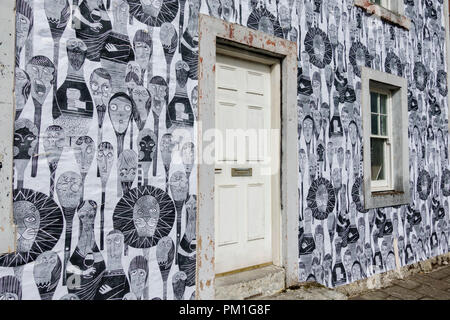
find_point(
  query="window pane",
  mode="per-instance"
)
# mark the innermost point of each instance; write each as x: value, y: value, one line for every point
x: 374, y: 102
x: 375, y: 124
x: 384, y: 126
x: 383, y: 101
x: 377, y: 159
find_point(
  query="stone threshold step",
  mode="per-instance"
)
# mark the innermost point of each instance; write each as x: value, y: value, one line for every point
x: 250, y: 284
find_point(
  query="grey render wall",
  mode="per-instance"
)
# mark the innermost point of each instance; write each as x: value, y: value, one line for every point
x: 340, y: 242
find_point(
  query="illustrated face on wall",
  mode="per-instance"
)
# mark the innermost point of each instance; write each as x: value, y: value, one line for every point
x: 322, y: 198
x: 302, y: 160
x: 137, y: 281
x: 302, y: 273
x: 390, y: 261
x: 401, y: 245
x: 146, y: 215
x: 54, y: 8
x: 265, y: 25
x: 22, y: 88
x: 163, y: 249
x: 10, y: 288
x: 100, y: 89
x: 333, y: 34
x: 309, y: 14
x: 317, y: 270
x: 22, y: 30
x: 306, y: 65
x: 337, y: 178
x: 191, y: 209
x: 25, y: 139
x: 147, y: 144
x: 152, y: 7
x: 86, y: 214
x: 316, y: 85
x: 347, y: 260
x: 120, y: 113
x: 68, y: 189
x: 84, y: 150
x: 214, y: 7
x: 368, y: 253
x: 43, y: 268
x: 105, y: 159
x: 133, y: 75
x: 41, y: 72
x: 194, y: 8
x: 166, y: 148
x: 168, y: 37
x: 319, y: 47
x: 76, y: 53
x: 187, y: 153
x: 141, y: 98
x: 114, y: 245
x: 127, y: 166
x: 194, y: 101
x: 362, y: 230
x: 442, y: 81
x: 182, y: 73
x: 308, y: 127
x: 158, y: 93
x: 353, y: 133
x: 179, y: 186
x: 340, y: 156
x: 356, y: 272
x: 120, y: 10
x: 69, y: 296
x: 27, y: 220
x: 143, y: 52
x: 54, y: 141
x: 285, y: 17
x: 179, y: 284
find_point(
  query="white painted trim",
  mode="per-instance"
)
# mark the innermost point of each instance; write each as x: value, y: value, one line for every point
x: 210, y: 31
x: 387, y: 184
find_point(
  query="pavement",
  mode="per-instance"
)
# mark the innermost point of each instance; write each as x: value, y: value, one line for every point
x: 422, y: 286
x: 434, y: 285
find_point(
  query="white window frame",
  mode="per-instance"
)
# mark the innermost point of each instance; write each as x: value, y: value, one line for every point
x: 384, y: 185
x: 397, y: 192
x: 384, y: 3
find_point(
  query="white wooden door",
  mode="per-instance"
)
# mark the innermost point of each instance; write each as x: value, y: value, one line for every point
x: 243, y: 204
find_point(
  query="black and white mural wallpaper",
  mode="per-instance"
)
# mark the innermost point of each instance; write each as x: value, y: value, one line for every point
x: 104, y: 144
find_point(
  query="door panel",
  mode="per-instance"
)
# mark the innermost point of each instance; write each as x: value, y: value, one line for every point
x: 243, y: 203
x: 228, y: 214
x: 256, y: 212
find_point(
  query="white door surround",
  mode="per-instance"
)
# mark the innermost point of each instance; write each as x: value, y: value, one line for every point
x: 214, y: 32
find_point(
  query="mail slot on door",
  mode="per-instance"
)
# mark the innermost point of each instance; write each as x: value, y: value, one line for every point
x: 237, y: 172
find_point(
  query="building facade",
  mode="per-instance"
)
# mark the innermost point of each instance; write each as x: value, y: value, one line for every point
x: 106, y: 139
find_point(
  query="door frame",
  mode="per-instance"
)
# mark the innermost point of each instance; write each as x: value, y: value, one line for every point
x: 214, y: 31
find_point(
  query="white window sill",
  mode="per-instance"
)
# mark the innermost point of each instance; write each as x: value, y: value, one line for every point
x: 384, y: 14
